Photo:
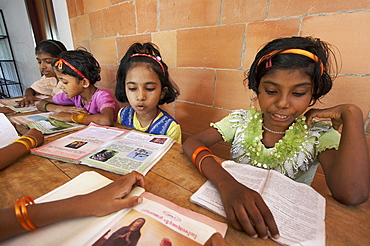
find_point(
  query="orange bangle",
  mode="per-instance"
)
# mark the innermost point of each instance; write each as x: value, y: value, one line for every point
x: 196, y: 153
x: 205, y: 156
x: 22, y: 213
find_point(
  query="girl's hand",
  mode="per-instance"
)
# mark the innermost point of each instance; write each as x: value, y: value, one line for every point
x: 110, y: 198
x: 338, y: 114
x: 27, y: 100
x: 62, y: 116
x: 6, y: 110
x: 215, y: 240
x: 246, y: 210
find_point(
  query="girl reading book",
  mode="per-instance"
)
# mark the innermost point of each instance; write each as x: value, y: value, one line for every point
x: 81, y: 101
x: 289, y: 75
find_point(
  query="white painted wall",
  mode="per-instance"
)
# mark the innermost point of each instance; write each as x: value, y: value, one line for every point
x: 21, y: 36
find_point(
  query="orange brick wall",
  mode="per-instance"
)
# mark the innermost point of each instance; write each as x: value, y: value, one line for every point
x: 209, y: 44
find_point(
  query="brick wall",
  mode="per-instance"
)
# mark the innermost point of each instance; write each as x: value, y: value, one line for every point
x: 209, y: 44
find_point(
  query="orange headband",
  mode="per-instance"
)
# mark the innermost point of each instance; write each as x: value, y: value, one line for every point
x: 156, y: 58
x: 60, y: 62
x: 291, y: 51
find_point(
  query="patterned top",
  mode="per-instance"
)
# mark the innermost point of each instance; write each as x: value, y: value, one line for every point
x: 47, y: 86
x: 295, y: 155
x: 101, y: 99
x: 163, y: 124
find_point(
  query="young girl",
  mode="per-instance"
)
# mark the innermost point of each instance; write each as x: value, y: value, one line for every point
x: 78, y: 71
x: 288, y: 75
x: 144, y: 82
x: 46, y: 51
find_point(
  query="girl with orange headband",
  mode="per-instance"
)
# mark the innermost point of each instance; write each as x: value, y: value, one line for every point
x: 81, y: 101
x: 143, y: 81
x: 288, y: 75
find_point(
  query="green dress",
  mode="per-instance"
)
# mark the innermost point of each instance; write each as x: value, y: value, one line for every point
x: 295, y: 155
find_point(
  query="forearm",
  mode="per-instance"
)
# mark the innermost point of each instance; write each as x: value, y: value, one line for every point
x: 29, y: 92
x: 41, y: 215
x: 17, y: 150
x: 348, y: 177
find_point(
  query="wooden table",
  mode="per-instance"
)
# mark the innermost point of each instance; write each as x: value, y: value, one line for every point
x: 174, y: 178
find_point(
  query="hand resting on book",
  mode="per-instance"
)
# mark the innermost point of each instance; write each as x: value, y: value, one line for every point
x: 101, y: 202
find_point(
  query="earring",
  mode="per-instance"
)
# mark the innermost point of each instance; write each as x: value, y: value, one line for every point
x: 253, y: 100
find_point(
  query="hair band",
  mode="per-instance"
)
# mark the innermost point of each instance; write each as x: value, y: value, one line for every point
x: 290, y: 51
x: 60, y: 62
x: 156, y: 58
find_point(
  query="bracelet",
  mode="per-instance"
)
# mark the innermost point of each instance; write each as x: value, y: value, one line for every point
x: 46, y: 104
x: 80, y: 118
x: 72, y: 118
x: 22, y: 213
x: 32, y: 140
x: 196, y: 153
x: 28, y: 147
x: 205, y: 156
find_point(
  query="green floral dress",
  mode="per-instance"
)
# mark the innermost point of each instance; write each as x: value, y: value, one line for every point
x: 295, y: 155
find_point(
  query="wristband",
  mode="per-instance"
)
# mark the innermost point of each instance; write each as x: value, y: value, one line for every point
x: 28, y: 147
x: 205, y: 156
x: 196, y: 153
x: 32, y: 140
x: 46, y: 104
x: 20, y: 208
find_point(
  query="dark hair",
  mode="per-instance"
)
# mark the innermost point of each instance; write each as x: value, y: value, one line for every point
x: 83, y: 61
x: 51, y: 47
x: 127, y: 62
x: 322, y: 82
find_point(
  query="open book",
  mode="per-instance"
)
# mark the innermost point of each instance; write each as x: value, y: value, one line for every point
x: 163, y: 219
x: 113, y: 149
x: 7, y: 131
x: 299, y: 210
x: 12, y: 103
x: 46, y: 125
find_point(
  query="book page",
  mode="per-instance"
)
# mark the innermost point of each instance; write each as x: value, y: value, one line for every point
x: 74, y: 231
x: 12, y: 103
x: 160, y: 219
x: 25, y: 119
x: 135, y: 151
x: 7, y: 131
x: 52, y: 126
x: 79, y: 144
x: 208, y: 196
x: 298, y: 209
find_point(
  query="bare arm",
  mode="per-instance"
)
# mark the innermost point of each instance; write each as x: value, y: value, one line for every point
x: 101, y: 202
x: 346, y: 170
x: 242, y: 205
x: 105, y: 118
x: 14, y: 151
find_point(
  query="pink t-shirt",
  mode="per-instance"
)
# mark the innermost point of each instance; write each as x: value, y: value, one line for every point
x: 101, y: 99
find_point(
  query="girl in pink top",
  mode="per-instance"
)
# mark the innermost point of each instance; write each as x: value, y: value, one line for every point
x: 81, y: 101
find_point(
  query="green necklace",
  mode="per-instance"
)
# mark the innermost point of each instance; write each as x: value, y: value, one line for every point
x: 270, y: 158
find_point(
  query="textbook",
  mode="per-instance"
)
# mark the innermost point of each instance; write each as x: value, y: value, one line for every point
x: 109, y: 148
x: 298, y: 209
x: 44, y: 124
x: 161, y: 219
x: 12, y: 103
